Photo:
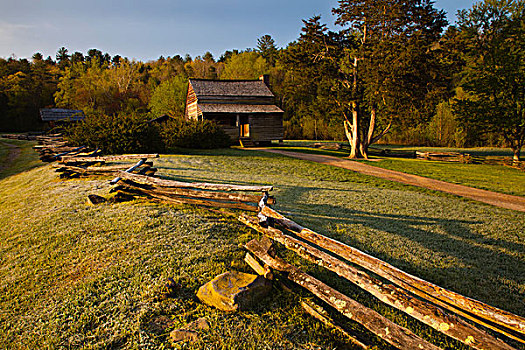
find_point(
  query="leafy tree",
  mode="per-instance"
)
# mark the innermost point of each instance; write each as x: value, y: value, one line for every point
x: 170, y: 97
x: 24, y: 88
x: 203, y: 68
x: 77, y: 57
x: 37, y: 57
x: 95, y: 87
x: 493, y: 35
x: 309, y: 78
x: 208, y: 57
x: 246, y: 65
x: 227, y: 55
x: 116, y: 60
x: 388, y: 70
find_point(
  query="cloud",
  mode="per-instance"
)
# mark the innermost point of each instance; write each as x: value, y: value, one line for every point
x: 12, y: 30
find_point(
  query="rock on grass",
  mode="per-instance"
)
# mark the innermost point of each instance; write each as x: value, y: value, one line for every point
x: 234, y: 291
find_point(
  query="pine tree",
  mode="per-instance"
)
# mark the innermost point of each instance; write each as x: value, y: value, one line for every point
x: 389, y: 68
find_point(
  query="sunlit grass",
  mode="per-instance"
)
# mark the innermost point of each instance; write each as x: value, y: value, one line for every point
x: 74, y: 275
x: 496, y: 178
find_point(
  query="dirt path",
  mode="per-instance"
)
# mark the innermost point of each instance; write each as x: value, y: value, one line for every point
x: 497, y: 199
x: 14, y: 153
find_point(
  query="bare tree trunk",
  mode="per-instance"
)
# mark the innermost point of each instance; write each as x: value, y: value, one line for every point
x: 516, y: 151
x: 352, y: 133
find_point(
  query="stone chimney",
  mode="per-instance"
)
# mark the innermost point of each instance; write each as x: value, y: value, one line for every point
x: 266, y: 79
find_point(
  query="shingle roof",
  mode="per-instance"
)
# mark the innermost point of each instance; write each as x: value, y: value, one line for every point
x: 238, y: 108
x: 252, y: 88
x: 55, y: 114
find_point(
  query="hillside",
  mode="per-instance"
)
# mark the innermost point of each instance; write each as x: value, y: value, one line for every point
x: 79, y: 276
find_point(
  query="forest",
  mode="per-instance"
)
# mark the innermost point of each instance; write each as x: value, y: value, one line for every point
x: 396, y: 72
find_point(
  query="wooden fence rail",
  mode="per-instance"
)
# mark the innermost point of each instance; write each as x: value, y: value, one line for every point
x: 504, y: 322
x: 394, y: 296
x: 392, y: 333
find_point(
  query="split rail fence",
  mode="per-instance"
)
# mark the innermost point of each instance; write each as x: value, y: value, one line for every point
x: 450, y: 313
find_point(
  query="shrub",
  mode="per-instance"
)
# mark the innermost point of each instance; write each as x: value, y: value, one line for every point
x: 204, y: 134
x: 114, y: 134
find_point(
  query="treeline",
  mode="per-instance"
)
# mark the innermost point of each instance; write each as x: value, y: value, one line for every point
x: 394, y: 73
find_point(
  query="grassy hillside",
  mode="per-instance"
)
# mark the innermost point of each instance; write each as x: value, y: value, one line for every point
x: 78, y: 276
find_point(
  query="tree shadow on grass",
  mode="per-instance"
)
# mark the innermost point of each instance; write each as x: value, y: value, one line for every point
x: 18, y: 159
x: 479, y: 266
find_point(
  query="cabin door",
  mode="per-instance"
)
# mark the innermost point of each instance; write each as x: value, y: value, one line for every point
x: 244, y: 126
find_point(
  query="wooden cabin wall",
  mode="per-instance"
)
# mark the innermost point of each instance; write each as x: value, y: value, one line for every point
x: 192, y: 109
x: 266, y: 127
x: 228, y: 122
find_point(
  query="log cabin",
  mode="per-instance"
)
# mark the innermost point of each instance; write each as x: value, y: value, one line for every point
x: 57, y: 116
x: 245, y: 109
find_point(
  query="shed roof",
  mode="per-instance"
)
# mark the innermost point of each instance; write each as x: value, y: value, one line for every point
x: 245, y: 88
x: 238, y: 108
x: 56, y: 114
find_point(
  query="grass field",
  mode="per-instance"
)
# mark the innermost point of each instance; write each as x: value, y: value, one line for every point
x: 496, y: 178
x: 77, y: 276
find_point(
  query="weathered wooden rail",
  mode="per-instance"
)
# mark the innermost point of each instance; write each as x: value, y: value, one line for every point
x: 394, y: 296
x: 439, y: 308
x: 392, y: 333
x: 483, y: 314
x: 204, y: 194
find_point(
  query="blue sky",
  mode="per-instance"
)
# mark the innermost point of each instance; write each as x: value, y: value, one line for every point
x: 147, y: 29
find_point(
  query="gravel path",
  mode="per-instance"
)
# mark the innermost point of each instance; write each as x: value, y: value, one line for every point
x: 497, y: 199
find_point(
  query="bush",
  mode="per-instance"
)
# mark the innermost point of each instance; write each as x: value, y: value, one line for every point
x: 116, y: 134
x: 204, y: 134
x: 132, y: 133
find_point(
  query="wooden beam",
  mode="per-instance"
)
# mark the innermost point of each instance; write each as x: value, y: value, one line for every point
x: 118, y: 178
x: 226, y: 196
x: 205, y: 186
x: 317, y: 312
x: 185, y: 200
x: 390, y: 332
x: 391, y: 295
x: 67, y: 159
x: 258, y: 268
x: 445, y: 298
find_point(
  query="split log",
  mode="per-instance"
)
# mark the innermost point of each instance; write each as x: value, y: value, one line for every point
x: 392, y: 333
x: 391, y: 295
x: 101, y: 169
x: 118, y: 178
x: 148, y: 180
x: 258, y: 268
x: 317, y: 312
x: 225, y: 196
x: 185, y: 200
x: 445, y: 298
x: 108, y: 158
x: 71, y: 152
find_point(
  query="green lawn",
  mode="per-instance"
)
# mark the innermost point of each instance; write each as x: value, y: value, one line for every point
x: 26, y: 160
x: 496, y: 178
x: 78, y: 276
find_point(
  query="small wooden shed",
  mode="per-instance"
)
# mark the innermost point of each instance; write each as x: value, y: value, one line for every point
x: 54, y: 116
x: 245, y: 109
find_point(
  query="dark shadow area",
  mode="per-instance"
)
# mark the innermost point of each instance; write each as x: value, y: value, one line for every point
x: 17, y: 157
x: 485, y: 261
